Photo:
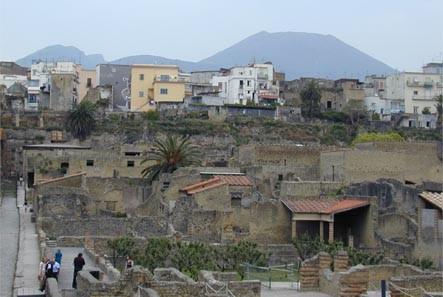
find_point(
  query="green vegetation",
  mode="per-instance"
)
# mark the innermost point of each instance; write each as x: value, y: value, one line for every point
x: 190, y: 257
x: 168, y: 155
x: 336, y: 133
x: 39, y: 138
x: 376, y: 117
x: 308, y: 246
x: 121, y: 247
x: 378, y: 137
x: 310, y: 96
x: 426, y: 110
x: 424, y: 263
x: 81, y: 121
x: 439, y: 107
x: 151, y: 115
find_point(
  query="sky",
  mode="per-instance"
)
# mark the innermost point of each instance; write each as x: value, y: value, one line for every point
x: 404, y: 34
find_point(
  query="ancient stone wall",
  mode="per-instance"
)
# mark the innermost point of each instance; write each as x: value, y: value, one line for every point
x: 415, y: 162
x: 304, y: 189
x: 104, y: 226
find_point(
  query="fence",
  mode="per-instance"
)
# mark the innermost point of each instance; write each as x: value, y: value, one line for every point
x: 288, y: 273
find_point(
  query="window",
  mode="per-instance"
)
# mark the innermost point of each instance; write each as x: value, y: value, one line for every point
x: 130, y: 163
x: 110, y: 205
x: 141, y: 94
x: 164, y: 91
x: 241, y: 84
x: 164, y: 77
x: 132, y: 153
x: 236, y: 199
x: 410, y: 124
x: 64, y: 167
x: 142, y: 76
x: 428, y: 124
x: 329, y: 104
x: 415, y: 92
x: 248, y: 83
x: 88, y: 82
x: 415, y: 109
x: 280, y: 177
x: 89, y: 162
x: 32, y: 98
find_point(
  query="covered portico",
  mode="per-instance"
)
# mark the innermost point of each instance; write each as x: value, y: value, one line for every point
x: 319, y: 217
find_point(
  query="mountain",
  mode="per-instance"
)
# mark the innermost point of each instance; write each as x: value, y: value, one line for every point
x: 149, y: 59
x: 295, y: 53
x: 63, y: 53
x: 301, y: 54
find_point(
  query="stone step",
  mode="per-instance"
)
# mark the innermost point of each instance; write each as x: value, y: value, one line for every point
x: 51, y: 243
x: 27, y: 292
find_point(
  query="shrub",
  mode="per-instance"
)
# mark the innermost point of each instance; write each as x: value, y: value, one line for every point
x: 151, y: 115
x: 378, y: 137
x: 335, y: 116
x: 375, y: 117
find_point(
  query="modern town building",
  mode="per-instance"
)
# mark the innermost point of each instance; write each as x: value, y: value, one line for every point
x: 155, y: 84
x: 119, y: 77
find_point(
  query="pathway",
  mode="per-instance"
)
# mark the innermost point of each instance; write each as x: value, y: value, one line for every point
x: 9, y: 227
x: 67, y: 268
x: 28, y: 258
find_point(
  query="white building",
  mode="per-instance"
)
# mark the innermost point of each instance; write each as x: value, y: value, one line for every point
x: 42, y: 71
x: 254, y: 83
x: 413, y: 91
x: 9, y: 79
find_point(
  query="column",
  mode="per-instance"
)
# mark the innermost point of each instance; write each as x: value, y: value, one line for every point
x: 294, y: 228
x: 331, y: 232
x: 321, y: 230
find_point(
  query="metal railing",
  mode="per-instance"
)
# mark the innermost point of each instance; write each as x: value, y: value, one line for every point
x: 288, y: 273
x: 223, y: 290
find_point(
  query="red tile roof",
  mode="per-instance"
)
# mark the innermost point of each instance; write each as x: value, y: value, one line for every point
x: 203, y: 186
x: 323, y: 206
x: 236, y: 180
x: 435, y: 199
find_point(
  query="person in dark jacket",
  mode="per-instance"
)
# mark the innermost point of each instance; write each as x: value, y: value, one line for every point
x: 79, y: 262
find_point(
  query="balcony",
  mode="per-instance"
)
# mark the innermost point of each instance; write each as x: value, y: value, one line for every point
x: 420, y: 84
x: 167, y: 78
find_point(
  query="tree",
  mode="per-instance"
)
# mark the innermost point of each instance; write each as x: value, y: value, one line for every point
x: 122, y: 246
x: 81, y: 120
x: 168, y: 155
x: 356, y: 111
x: 439, y: 107
x: 310, y: 96
x: 426, y: 110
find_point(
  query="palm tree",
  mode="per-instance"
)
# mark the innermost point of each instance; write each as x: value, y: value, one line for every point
x: 81, y: 120
x: 168, y: 155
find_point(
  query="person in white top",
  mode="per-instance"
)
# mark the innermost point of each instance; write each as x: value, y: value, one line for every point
x: 42, y: 268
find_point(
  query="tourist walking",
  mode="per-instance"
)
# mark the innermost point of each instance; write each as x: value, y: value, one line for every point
x: 42, y: 271
x: 58, y: 256
x: 51, y: 271
x: 79, y: 262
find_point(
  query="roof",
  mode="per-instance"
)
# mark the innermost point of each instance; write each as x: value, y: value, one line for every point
x: 435, y: 199
x: 203, y: 186
x: 55, y: 146
x: 60, y: 178
x: 323, y: 206
x: 236, y: 180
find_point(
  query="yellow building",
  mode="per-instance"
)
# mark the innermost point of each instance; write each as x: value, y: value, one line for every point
x: 153, y: 84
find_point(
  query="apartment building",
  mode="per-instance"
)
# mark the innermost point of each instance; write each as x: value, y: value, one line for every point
x: 413, y: 92
x: 118, y: 77
x: 253, y: 83
x: 155, y: 84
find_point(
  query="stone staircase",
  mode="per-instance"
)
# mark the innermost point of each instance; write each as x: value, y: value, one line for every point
x: 51, y: 243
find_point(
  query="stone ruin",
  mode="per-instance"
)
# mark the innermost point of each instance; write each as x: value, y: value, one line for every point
x: 333, y: 276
